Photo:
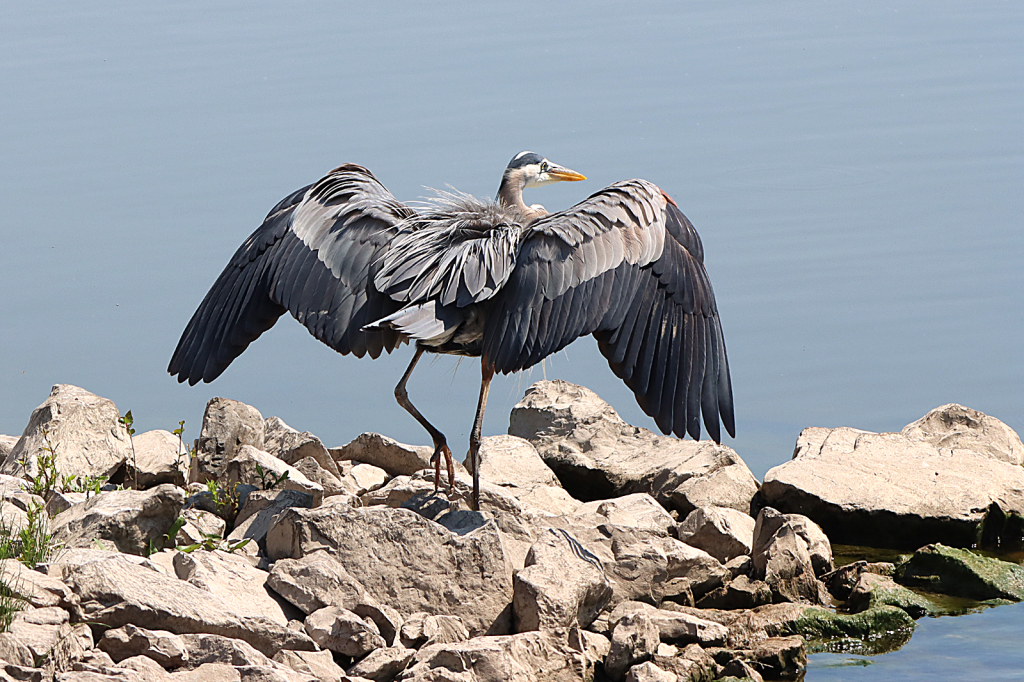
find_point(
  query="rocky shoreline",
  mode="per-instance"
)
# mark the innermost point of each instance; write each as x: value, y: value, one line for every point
x: 602, y: 552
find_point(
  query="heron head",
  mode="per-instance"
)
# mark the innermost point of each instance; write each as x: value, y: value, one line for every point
x: 533, y: 170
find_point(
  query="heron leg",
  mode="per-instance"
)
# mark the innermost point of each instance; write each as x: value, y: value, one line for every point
x: 440, y: 442
x: 486, y: 374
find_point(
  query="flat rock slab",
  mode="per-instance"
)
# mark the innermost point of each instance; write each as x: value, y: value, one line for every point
x: 232, y: 578
x: 675, y: 627
x: 116, y: 592
x: 903, y: 490
x: 638, y: 510
x: 398, y: 459
x: 525, y: 657
x: 596, y: 455
x: 36, y: 588
x: 406, y: 561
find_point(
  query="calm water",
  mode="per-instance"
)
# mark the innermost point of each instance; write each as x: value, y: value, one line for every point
x: 855, y: 171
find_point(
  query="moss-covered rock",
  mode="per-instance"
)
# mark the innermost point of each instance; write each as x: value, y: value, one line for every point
x: 874, y: 590
x: 877, y: 630
x: 961, y: 573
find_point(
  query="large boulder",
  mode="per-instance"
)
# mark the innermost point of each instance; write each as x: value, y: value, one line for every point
x: 166, y: 648
x: 383, y: 664
x: 512, y: 463
x: 342, y: 631
x: 634, y: 638
x: 317, y: 664
x: 129, y: 521
x: 48, y: 635
x: 638, y: 510
x: 951, y: 477
x: 954, y: 428
x: 406, y: 561
x: 227, y: 426
x: 739, y: 593
x: 314, y: 581
x: 7, y: 444
x: 80, y: 428
x: 596, y: 455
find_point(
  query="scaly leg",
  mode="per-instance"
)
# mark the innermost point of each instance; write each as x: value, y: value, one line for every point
x: 440, y: 443
x: 487, y: 373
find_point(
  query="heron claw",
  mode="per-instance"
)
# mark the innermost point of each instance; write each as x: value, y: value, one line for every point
x: 435, y: 459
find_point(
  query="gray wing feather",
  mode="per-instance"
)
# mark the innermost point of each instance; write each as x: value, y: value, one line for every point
x: 314, y: 256
x: 626, y: 266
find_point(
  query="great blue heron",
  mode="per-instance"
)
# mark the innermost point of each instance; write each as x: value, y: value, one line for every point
x: 499, y: 280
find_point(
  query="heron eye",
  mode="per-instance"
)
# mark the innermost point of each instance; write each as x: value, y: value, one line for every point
x: 544, y: 167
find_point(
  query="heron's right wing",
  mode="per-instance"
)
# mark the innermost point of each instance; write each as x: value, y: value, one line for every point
x: 313, y: 256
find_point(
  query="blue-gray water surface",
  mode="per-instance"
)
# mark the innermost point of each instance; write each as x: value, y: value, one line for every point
x: 854, y: 169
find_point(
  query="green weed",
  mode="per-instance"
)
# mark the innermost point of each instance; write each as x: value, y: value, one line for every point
x: 265, y: 476
x: 33, y: 544
x: 126, y: 421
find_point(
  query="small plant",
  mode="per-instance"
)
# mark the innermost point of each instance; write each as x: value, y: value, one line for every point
x: 46, y: 476
x: 212, y: 541
x: 33, y: 544
x: 36, y: 540
x: 11, y: 602
x: 183, y: 452
x: 82, y: 484
x: 266, y: 476
x: 225, y: 499
x: 209, y: 541
x: 126, y: 421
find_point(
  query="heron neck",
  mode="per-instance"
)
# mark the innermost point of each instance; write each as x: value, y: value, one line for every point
x: 510, y: 193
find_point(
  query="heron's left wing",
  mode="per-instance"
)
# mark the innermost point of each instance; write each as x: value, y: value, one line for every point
x: 627, y: 266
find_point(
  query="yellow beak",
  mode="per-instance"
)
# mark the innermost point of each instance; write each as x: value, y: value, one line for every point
x: 562, y: 173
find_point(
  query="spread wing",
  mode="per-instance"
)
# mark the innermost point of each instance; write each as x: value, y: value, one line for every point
x: 314, y: 256
x: 628, y: 267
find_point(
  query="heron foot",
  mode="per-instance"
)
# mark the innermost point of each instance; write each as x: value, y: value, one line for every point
x: 435, y: 459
